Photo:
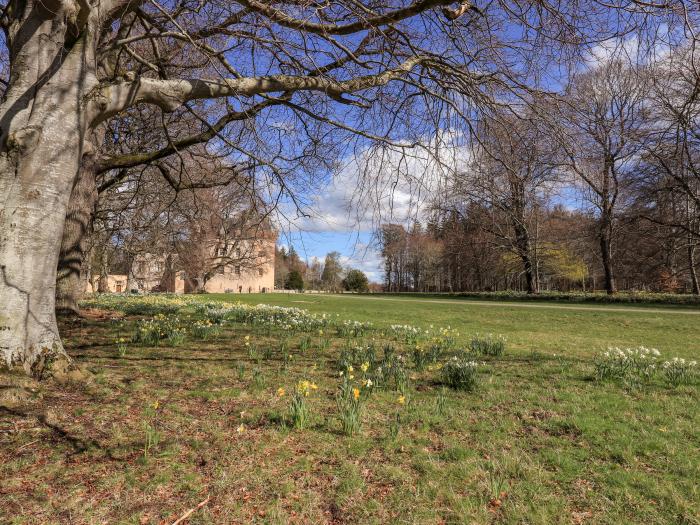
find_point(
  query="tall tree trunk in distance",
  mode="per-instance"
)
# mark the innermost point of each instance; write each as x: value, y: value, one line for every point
x: 70, y: 285
x: 606, y: 255
x: 693, y: 271
x: 131, y: 283
x: 524, y: 248
x: 103, y: 280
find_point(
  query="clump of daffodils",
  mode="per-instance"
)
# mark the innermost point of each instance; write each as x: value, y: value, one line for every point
x: 121, y: 346
x: 203, y: 329
x: 349, y: 400
x: 298, y: 408
x: 306, y: 387
x: 460, y: 373
x: 409, y: 334
x: 489, y: 344
x: 349, y: 328
x: 679, y: 371
x: 151, y: 332
x: 639, y: 363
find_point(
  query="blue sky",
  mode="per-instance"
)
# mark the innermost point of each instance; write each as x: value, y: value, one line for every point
x: 356, y: 247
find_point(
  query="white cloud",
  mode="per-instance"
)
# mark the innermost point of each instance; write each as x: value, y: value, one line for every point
x: 629, y: 48
x: 383, y: 184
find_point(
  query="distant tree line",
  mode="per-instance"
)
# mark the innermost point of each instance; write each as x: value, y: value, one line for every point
x: 596, y: 188
x: 292, y: 273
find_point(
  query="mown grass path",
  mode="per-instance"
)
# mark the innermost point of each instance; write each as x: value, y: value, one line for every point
x: 555, y: 305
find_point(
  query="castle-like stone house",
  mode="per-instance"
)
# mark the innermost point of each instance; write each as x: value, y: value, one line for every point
x: 246, y: 266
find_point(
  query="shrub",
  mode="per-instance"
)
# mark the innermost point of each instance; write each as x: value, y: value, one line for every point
x: 295, y: 281
x: 488, y: 345
x: 576, y: 297
x: 356, y: 281
x: 460, y: 373
x: 678, y: 371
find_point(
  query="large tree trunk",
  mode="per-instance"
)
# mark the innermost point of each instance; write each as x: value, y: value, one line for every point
x: 42, y: 125
x: 70, y: 285
x: 524, y: 248
x: 606, y: 257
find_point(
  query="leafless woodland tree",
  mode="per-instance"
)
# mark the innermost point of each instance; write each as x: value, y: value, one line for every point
x: 670, y: 167
x: 512, y: 170
x: 601, y: 129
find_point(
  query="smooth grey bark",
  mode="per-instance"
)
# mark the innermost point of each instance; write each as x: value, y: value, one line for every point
x: 42, y: 126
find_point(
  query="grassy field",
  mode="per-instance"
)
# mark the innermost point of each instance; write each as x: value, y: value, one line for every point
x: 160, y: 429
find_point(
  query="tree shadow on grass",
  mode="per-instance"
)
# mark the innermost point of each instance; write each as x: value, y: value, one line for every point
x: 77, y: 443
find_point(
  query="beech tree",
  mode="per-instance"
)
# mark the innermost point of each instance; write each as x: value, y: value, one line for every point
x: 670, y: 178
x: 601, y: 131
x: 75, y: 65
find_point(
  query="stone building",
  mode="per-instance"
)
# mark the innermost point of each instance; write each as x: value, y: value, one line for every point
x: 225, y: 265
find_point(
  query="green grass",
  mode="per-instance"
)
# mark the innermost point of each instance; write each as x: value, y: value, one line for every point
x: 575, y: 331
x: 538, y: 441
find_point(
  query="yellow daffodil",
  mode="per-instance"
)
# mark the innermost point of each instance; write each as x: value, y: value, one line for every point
x: 280, y: 392
x: 356, y: 393
x: 365, y: 366
x: 305, y: 387
x: 401, y: 400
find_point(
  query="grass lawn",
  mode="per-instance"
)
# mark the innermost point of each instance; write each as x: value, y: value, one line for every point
x: 160, y: 429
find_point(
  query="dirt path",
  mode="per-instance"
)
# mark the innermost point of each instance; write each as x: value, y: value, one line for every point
x: 469, y: 302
